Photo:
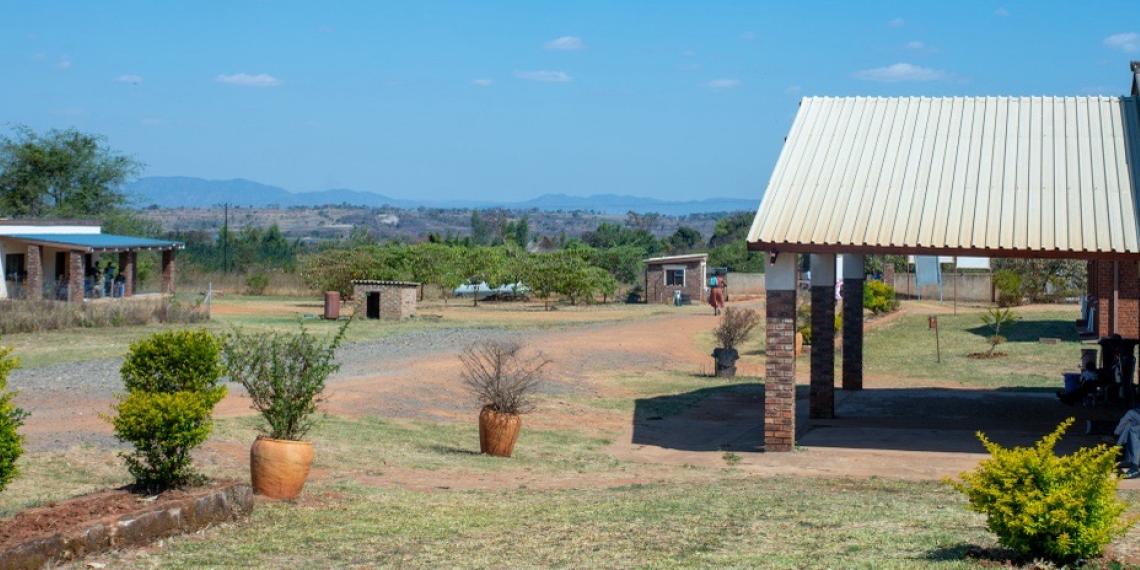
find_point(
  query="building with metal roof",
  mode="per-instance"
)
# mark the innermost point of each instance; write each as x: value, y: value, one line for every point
x: 1030, y: 177
x: 60, y: 259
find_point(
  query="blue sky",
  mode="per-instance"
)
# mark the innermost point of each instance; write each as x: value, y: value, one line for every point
x: 509, y: 100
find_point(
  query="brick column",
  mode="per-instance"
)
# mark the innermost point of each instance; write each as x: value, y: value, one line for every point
x: 780, y: 354
x: 168, y: 272
x: 34, y: 286
x: 127, y: 268
x: 822, y: 393
x: 853, y: 322
x: 74, y: 277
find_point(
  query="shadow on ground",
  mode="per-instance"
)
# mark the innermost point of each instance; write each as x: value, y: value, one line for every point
x: 730, y: 417
x: 1031, y: 330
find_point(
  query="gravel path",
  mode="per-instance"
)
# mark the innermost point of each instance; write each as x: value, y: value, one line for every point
x: 73, y: 394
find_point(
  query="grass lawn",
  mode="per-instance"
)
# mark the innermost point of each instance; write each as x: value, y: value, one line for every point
x: 904, y: 351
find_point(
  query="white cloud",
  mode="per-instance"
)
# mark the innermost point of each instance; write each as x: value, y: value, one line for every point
x: 915, y: 44
x: 544, y: 76
x: 722, y: 84
x: 1127, y: 42
x: 63, y: 63
x: 565, y: 43
x: 748, y: 36
x: 900, y: 72
x: 482, y: 82
x: 1001, y: 12
x: 248, y: 80
x: 129, y: 78
x: 896, y: 22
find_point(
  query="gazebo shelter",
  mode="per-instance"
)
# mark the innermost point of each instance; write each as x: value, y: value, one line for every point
x: 55, y: 259
x: 1028, y: 177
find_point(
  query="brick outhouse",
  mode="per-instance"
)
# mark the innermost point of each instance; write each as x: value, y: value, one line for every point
x: 664, y: 276
x: 387, y: 300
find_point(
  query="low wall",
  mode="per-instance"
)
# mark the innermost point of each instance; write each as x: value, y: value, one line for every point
x: 745, y: 283
x: 967, y: 287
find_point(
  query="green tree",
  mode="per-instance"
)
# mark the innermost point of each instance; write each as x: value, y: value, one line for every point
x: 480, y: 229
x: 62, y: 173
x: 482, y: 264
x: 684, y: 240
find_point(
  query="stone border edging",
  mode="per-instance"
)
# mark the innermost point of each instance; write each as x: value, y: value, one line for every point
x: 228, y: 502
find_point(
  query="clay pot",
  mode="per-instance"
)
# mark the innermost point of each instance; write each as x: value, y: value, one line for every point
x: 279, y: 467
x: 498, y: 432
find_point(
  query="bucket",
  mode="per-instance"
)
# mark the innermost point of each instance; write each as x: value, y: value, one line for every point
x: 1072, y: 381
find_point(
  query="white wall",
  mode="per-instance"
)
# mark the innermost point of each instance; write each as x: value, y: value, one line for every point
x: 3, y: 275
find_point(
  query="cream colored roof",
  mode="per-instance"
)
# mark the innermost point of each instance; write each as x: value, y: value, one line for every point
x: 999, y: 175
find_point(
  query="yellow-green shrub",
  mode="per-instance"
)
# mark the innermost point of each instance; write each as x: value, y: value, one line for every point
x: 11, y: 418
x: 879, y: 298
x: 1040, y: 504
x: 164, y: 428
x: 172, y: 382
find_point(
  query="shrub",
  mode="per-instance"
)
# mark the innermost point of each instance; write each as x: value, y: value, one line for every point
x: 500, y: 377
x: 1042, y: 505
x: 1008, y: 285
x: 11, y: 418
x: 164, y: 427
x: 879, y: 298
x: 172, y: 382
x: 173, y: 361
x: 256, y: 283
x: 735, y: 327
x: 284, y: 375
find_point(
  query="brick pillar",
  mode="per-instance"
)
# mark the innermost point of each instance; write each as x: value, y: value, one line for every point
x: 35, y: 268
x: 168, y: 272
x: 853, y: 322
x: 127, y: 268
x: 780, y: 354
x: 822, y: 394
x: 74, y: 277
x: 1105, y: 296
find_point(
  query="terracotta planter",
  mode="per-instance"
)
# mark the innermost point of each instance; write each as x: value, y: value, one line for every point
x: 498, y: 432
x: 279, y: 467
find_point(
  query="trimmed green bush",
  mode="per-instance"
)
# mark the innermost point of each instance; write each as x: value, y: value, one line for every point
x: 172, y: 380
x: 173, y: 361
x: 11, y: 418
x: 879, y: 298
x: 1043, y: 505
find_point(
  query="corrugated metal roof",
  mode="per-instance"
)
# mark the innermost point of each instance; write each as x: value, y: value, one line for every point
x: 995, y: 174
x: 682, y: 257
x: 97, y: 241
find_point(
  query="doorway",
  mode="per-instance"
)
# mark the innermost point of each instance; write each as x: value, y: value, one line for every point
x: 372, y: 308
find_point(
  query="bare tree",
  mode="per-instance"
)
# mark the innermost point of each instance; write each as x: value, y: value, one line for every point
x: 500, y: 376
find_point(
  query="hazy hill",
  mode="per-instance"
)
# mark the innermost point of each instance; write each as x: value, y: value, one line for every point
x: 191, y: 192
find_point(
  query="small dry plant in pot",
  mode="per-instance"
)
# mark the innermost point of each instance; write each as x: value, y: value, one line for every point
x: 505, y: 381
x: 734, y: 329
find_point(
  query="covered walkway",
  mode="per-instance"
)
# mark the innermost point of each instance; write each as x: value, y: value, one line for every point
x: 1028, y: 177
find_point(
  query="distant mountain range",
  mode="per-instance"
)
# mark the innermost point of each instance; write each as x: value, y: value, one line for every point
x: 190, y: 192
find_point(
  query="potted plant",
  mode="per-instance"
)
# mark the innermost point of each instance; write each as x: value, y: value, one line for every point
x: 735, y: 327
x: 504, y: 381
x: 284, y: 375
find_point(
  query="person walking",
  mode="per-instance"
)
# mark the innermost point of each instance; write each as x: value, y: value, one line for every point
x: 716, y: 293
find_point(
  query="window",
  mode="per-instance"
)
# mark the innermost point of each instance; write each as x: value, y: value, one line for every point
x: 14, y: 267
x: 675, y: 276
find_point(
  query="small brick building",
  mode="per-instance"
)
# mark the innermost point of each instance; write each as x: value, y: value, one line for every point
x: 387, y: 300
x: 664, y: 276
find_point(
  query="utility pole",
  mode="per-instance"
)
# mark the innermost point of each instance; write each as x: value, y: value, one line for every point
x: 226, y: 239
